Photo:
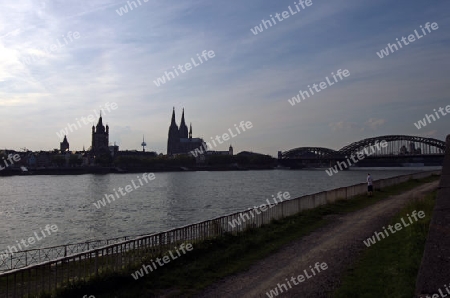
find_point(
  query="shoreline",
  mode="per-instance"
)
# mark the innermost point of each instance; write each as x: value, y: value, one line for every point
x: 115, y: 170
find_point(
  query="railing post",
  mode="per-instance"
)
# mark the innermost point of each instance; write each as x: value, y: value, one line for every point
x: 22, y: 288
x: 96, y: 263
x: 15, y: 284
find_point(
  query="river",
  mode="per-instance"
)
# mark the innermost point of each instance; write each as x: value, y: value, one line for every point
x: 174, y: 199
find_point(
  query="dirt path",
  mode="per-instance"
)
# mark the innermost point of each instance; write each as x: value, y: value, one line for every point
x: 337, y: 244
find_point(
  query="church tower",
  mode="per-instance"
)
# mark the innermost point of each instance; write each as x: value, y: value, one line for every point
x: 100, y: 137
x: 174, y: 136
x: 64, y: 145
x: 183, y: 128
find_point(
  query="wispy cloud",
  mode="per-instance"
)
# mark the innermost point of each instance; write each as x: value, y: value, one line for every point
x: 374, y: 123
x: 251, y: 77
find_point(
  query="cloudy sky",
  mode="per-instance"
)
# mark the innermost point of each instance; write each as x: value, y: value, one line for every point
x: 49, y: 78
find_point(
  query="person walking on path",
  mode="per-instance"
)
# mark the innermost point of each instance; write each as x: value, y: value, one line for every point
x: 369, y: 185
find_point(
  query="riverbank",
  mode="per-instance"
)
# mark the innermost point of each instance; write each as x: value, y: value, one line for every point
x: 213, y: 260
x: 116, y: 170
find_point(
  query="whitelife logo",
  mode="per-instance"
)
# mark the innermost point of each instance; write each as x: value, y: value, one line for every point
x: 124, y: 9
x: 422, y: 123
x: 360, y: 154
x: 301, y: 278
x: 441, y: 294
x: 243, y: 217
x: 323, y: 85
x: 30, y: 241
x: 284, y: 15
x: 188, y: 66
x: 398, y: 227
x: 129, y: 188
x: 411, y: 38
x: 86, y: 120
x: 140, y: 273
x: 52, y: 47
x: 243, y: 125
x: 11, y: 158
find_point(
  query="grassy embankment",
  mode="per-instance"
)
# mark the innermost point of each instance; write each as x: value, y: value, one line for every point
x: 389, y: 268
x: 217, y: 258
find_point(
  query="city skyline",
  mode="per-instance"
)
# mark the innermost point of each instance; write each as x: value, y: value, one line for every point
x: 63, y: 62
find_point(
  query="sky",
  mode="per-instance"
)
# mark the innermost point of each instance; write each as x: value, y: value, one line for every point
x: 63, y: 60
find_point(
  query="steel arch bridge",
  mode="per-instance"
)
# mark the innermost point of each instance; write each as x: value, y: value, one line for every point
x: 396, y: 145
x: 309, y: 153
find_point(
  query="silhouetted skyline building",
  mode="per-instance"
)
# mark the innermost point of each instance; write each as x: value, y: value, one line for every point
x: 64, y: 145
x: 100, y: 138
x: 180, y: 140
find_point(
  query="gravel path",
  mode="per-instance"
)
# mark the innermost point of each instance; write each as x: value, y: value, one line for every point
x: 337, y: 244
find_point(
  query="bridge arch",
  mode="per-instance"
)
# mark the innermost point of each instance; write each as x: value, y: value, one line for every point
x: 397, y: 145
x: 308, y: 152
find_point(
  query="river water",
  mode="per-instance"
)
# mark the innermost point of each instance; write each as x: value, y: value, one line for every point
x: 29, y: 203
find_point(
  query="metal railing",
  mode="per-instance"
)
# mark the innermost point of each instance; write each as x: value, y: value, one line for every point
x: 29, y: 257
x: 129, y: 254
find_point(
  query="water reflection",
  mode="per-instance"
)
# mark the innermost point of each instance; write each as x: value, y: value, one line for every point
x: 169, y: 201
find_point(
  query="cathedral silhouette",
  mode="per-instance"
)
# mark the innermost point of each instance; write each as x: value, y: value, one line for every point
x: 180, y: 140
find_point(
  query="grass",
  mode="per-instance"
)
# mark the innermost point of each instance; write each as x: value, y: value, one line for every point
x: 389, y: 268
x: 217, y: 258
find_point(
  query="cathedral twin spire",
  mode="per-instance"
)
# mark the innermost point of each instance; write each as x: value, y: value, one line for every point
x: 180, y: 139
x: 173, y: 123
x: 183, y: 129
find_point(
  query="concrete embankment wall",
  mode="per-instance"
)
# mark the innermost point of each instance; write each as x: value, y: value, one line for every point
x: 330, y: 196
x: 251, y: 218
x: 434, y: 273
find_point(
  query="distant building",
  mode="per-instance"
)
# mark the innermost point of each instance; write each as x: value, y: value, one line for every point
x: 180, y: 141
x: 137, y: 153
x: 229, y: 152
x: 64, y: 145
x: 44, y: 159
x: 100, y: 138
x: 31, y: 160
x: 113, y: 150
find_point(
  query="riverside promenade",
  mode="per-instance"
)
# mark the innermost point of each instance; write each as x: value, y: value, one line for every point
x: 27, y: 274
x: 338, y: 244
x: 433, y: 280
